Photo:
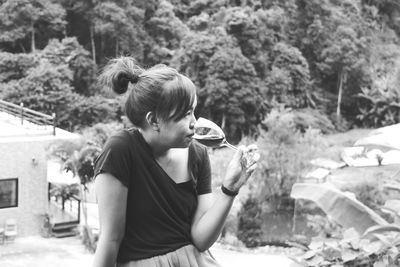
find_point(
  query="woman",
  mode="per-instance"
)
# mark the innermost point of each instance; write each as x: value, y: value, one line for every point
x: 153, y: 183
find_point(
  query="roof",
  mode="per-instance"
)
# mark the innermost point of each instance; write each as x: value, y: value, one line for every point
x: 12, y: 129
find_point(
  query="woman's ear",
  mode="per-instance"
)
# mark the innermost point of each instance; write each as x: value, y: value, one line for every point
x: 152, y: 121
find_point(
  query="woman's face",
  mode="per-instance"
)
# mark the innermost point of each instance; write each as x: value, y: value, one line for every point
x: 178, y: 134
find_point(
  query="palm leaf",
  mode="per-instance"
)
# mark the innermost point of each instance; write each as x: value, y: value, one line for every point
x: 343, y: 209
x: 377, y: 229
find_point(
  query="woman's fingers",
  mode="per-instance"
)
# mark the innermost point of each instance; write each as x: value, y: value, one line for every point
x: 241, y: 156
x: 251, y: 168
x: 252, y: 155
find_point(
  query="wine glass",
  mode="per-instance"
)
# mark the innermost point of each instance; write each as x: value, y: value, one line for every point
x: 210, y: 134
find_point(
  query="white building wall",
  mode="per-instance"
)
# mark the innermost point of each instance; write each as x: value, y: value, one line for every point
x: 16, y: 161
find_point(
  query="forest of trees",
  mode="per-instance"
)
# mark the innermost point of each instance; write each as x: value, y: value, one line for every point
x: 339, y: 59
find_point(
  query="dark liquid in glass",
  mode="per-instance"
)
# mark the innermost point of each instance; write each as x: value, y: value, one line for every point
x: 210, y: 141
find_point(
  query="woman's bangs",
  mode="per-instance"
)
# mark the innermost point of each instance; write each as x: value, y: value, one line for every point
x: 179, y: 97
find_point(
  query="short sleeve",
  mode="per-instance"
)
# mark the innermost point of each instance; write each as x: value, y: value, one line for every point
x: 115, y: 159
x: 201, y: 168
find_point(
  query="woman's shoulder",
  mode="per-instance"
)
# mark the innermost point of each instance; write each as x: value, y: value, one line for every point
x: 197, y: 150
x: 122, y: 138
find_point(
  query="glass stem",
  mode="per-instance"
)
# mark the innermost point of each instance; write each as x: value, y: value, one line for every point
x: 225, y: 143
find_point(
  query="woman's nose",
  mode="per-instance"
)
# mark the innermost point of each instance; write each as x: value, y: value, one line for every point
x: 192, y: 123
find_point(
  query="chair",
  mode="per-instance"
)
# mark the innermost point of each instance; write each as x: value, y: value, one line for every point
x: 10, y: 229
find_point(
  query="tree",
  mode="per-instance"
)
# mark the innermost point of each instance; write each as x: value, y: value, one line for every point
x: 80, y: 21
x: 167, y: 31
x: 79, y: 158
x: 45, y: 83
x: 333, y: 36
x: 69, y: 52
x: 233, y: 95
x: 46, y: 88
x: 20, y: 18
x: 343, y: 56
x: 379, y: 103
x: 87, y: 111
x: 15, y: 66
x: 122, y: 25
x: 194, y: 55
x: 389, y: 11
x: 256, y: 33
x: 288, y: 83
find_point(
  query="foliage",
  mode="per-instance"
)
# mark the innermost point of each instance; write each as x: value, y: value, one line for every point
x: 249, y: 226
x: 15, y: 66
x: 301, y: 119
x: 233, y: 98
x: 100, y: 132
x: 379, y: 103
x: 342, y: 207
x: 289, y: 79
x: 69, y: 52
x: 78, y: 157
x: 167, y: 30
x: 22, y: 18
x: 56, y: 80
x: 87, y: 111
x: 46, y: 88
x: 229, y: 91
x: 331, y: 55
x: 64, y: 191
x: 280, y: 165
x: 353, y: 250
x: 325, y: 227
x: 379, y: 107
x: 366, y: 239
x: 117, y: 23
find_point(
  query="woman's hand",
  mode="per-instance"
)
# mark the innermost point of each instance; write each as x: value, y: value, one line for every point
x: 242, y: 165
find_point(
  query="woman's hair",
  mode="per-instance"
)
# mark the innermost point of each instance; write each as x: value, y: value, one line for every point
x: 160, y: 89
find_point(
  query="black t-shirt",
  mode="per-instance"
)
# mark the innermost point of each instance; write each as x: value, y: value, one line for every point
x: 159, y: 211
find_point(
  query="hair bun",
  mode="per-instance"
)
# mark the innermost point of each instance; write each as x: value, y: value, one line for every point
x: 120, y: 84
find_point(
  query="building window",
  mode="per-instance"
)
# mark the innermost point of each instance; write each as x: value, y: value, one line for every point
x: 8, y: 193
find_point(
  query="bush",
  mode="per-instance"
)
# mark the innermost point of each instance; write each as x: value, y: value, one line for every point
x: 300, y: 119
x: 249, y: 227
x: 87, y: 111
x: 285, y: 156
x: 100, y: 132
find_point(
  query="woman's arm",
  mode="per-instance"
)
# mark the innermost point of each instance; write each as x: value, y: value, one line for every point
x: 209, y: 219
x: 211, y: 213
x: 111, y: 197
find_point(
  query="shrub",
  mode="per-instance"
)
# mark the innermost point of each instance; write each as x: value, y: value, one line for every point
x: 249, y: 227
x: 300, y: 119
x: 285, y: 156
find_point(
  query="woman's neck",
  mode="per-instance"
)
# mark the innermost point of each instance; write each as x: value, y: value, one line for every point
x: 153, y: 140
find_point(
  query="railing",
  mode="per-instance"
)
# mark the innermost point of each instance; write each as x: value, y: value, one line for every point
x: 68, y: 211
x: 29, y: 114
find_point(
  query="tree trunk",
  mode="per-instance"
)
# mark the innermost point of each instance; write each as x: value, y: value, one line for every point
x: 22, y: 47
x: 102, y: 44
x: 92, y: 43
x: 342, y: 80
x: 116, y: 48
x: 88, y: 238
x: 33, y: 47
x: 84, y: 207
